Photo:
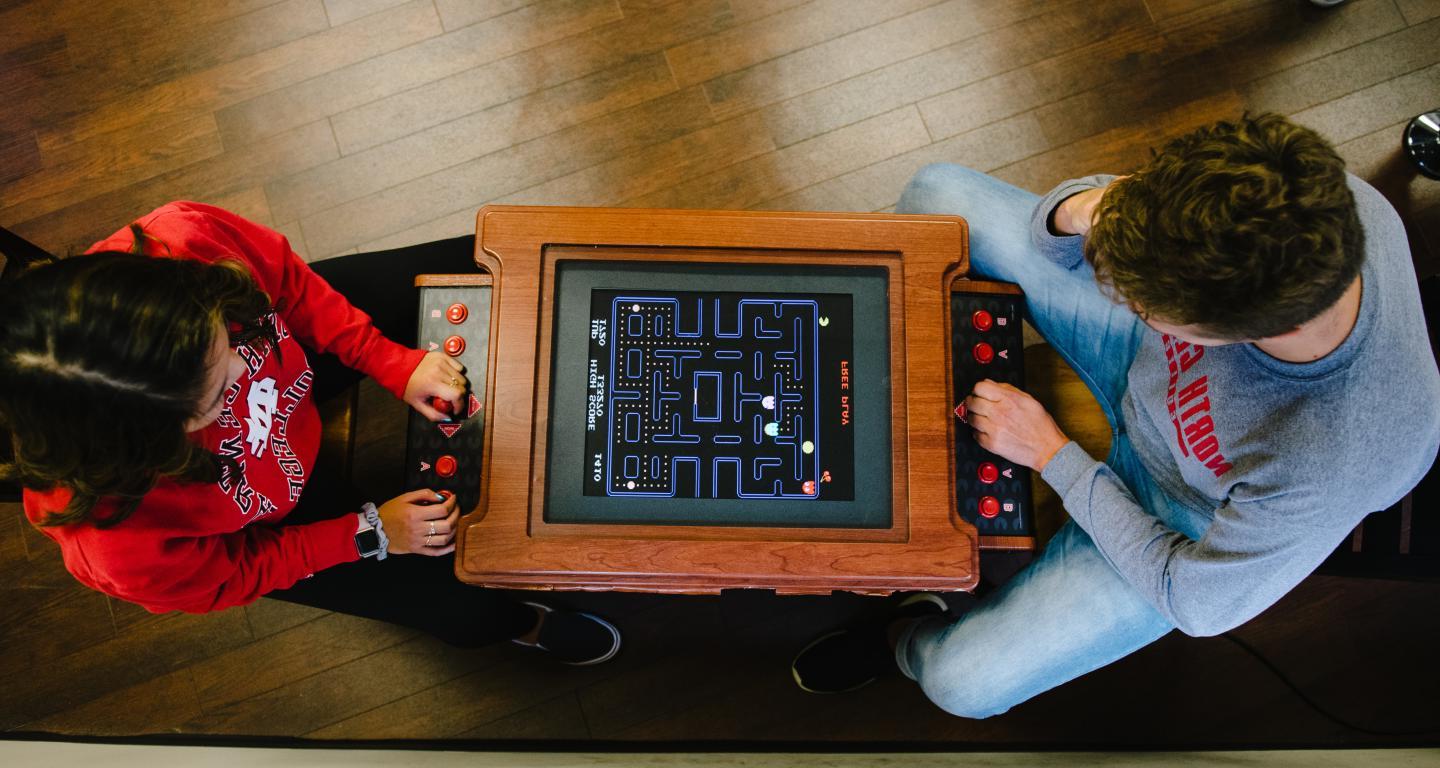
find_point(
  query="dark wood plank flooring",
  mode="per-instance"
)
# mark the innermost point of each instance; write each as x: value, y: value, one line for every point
x: 362, y: 124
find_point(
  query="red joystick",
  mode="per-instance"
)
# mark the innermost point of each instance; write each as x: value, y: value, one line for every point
x: 442, y: 405
x: 984, y: 353
x: 988, y: 472
x: 982, y: 320
x: 989, y: 506
x: 456, y: 313
x: 445, y: 466
x: 454, y: 346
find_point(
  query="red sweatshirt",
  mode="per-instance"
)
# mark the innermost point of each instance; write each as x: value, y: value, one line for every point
x: 201, y: 547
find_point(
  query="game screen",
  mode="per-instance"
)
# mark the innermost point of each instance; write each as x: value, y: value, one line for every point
x: 720, y: 395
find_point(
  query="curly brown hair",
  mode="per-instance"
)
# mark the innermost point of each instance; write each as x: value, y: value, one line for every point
x: 1246, y: 229
x: 103, y: 359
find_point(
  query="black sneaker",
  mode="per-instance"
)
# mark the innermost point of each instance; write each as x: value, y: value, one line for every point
x: 575, y: 638
x: 849, y: 659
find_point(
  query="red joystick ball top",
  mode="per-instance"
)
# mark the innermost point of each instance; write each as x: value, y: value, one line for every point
x: 445, y: 466
x: 984, y: 353
x: 982, y: 320
x: 456, y: 313
x: 989, y: 506
x: 454, y: 346
x: 442, y: 405
x: 988, y: 472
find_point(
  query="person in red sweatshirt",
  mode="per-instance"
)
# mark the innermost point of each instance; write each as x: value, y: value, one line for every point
x: 160, y: 395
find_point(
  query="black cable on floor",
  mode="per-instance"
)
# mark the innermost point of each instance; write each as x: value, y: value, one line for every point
x: 1311, y: 702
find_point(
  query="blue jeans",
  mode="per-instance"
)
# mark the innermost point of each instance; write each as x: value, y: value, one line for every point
x: 1070, y: 611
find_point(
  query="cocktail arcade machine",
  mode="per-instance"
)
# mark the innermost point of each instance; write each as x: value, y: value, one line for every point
x: 691, y: 401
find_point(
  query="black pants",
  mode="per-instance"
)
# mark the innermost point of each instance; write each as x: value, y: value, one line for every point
x: 416, y: 591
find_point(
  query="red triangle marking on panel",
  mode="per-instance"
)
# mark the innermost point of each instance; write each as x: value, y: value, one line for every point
x: 474, y: 406
x: 1008, y: 473
x: 434, y: 346
x: 449, y: 429
x: 424, y: 467
x: 1005, y: 353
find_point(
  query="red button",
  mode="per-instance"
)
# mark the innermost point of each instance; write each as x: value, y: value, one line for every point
x: 442, y: 405
x: 988, y: 472
x: 982, y: 320
x: 445, y: 466
x: 989, y: 505
x: 984, y: 353
x: 457, y: 313
x: 454, y: 346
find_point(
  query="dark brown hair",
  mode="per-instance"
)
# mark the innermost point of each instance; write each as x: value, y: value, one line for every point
x: 103, y: 360
x: 1244, y: 228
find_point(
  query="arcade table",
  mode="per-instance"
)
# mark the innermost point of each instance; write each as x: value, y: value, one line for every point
x: 691, y: 401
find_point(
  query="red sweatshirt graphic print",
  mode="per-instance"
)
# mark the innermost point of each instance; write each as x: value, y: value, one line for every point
x: 1189, y: 404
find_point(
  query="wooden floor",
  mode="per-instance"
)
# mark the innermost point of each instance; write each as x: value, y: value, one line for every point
x: 362, y: 124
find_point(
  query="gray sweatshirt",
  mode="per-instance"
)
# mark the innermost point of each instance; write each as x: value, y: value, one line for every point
x: 1283, y: 458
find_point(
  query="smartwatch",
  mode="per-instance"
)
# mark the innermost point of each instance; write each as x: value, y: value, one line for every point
x: 370, y: 539
x: 367, y: 541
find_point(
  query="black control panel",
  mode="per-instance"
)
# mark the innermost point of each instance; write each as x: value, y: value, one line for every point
x: 445, y: 456
x: 986, y: 342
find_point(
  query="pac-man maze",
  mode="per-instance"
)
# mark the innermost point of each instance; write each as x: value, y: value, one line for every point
x: 710, y: 395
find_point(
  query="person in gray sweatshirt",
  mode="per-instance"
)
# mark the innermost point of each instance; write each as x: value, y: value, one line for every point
x: 1247, y: 315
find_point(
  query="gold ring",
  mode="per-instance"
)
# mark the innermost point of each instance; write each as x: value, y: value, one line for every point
x: 454, y: 382
x: 432, y: 529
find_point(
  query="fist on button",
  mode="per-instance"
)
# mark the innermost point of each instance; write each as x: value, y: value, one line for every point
x: 444, y: 497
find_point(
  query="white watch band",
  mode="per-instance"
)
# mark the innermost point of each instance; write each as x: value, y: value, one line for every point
x: 372, y: 516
